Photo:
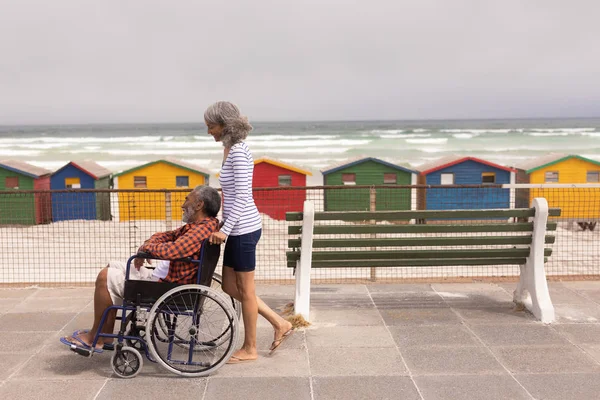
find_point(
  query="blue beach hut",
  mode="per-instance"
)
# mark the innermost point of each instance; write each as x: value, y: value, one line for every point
x: 457, y: 170
x: 80, y: 175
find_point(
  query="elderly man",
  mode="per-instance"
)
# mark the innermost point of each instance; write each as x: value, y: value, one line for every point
x: 200, y: 209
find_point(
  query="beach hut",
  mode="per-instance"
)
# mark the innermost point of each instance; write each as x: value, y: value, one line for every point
x: 271, y: 173
x: 80, y: 175
x: 24, y: 208
x: 368, y: 171
x: 160, y: 174
x: 458, y: 170
x: 577, y: 203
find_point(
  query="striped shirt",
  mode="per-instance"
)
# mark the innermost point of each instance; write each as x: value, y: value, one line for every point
x: 240, y: 215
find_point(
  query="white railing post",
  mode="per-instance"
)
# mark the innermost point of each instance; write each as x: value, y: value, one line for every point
x: 303, y: 266
x: 532, y: 289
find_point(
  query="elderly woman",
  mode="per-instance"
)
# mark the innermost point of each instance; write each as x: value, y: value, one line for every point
x: 241, y: 227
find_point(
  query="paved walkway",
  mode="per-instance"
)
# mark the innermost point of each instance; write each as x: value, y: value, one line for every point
x: 438, y: 341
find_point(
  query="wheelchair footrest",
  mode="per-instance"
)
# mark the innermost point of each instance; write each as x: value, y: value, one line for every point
x: 81, y: 352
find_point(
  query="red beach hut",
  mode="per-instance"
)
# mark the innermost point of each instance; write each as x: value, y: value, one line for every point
x: 271, y: 173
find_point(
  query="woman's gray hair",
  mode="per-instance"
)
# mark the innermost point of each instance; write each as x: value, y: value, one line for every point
x: 211, y: 198
x: 235, y: 125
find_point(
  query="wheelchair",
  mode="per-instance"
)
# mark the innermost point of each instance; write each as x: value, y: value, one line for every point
x: 190, y: 330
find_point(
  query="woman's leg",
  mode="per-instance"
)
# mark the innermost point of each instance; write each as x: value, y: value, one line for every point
x: 230, y: 286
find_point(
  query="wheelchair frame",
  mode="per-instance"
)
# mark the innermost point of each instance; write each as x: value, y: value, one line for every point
x: 141, y: 310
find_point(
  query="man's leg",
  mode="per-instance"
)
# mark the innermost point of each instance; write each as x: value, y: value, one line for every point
x: 102, y: 301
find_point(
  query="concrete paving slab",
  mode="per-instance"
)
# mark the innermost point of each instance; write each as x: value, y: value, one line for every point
x: 579, y: 333
x: 591, y: 295
x: 364, y: 388
x: 318, y: 290
x: 562, y: 386
x: 341, y: 301
x: 326, y: 361
x: 51, y: 304
x: 143, y: 387
x: 582, y: 313
x: 565, y: 295
x: 582, y: 285
x: 469, y: 288
x: 448, y: 360
x: 56, y: 365
x: 51, y: 321
x: 395, y: 288
x: 472, y: 387
x: 494, y: 315
x: 8, y: 304
x: 420, y: 316
x: 57, y: 389
x: 72, y: 293
x: 366, y: 317
x: 545, y: 359
x: 394, y: 301
x: 282, y: 363
x: 593, y: 350
x: 23, y: 342
x: 515, y: 335
x: 433, y: 335
x: 16, y: 293
x: 11, y: 362
x: 258, y: 388
x: 348, y: 336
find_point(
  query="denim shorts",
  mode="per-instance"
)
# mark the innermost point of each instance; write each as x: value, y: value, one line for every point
x: 240, y: 251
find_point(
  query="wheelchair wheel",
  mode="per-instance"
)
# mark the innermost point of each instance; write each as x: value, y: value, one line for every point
x: 217, y: 280
x: 192, y: 330
x: 127, y: 362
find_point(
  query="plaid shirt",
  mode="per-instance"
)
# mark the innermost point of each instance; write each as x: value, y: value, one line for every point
x: 183, y: 242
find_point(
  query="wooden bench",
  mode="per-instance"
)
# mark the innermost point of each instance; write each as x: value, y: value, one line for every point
x: 447, y: 238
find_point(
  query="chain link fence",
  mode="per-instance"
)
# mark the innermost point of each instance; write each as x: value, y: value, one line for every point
x: 66, y: 237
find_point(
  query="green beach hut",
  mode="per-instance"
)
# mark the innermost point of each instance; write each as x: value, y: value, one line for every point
x: 368, y: 171
x: 18, y: 208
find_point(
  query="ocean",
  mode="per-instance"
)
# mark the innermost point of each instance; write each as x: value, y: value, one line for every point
x: 309, y: 145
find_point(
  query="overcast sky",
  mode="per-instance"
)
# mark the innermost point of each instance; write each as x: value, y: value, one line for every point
x: 79, y: 61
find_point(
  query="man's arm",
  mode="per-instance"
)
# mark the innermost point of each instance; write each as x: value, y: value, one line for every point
x: 183, y: 246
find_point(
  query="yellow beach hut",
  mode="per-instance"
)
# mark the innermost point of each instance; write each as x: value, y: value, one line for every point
x: 160, y: 174
x: 580, y: 204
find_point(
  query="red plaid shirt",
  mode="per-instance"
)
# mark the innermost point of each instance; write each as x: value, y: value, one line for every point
x: 183, y: 242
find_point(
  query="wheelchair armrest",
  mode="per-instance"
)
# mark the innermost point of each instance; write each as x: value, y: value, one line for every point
x: 151, y: 257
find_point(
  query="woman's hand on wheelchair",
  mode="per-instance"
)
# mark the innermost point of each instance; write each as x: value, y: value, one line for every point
x: 217, y: 238
x: 138, y: 262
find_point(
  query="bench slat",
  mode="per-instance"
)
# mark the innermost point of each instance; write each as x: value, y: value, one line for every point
x: 442, y: 228
x: 426, y: 262
x: 439, y: 241
x: 421, y: 214
x: 411, y: 254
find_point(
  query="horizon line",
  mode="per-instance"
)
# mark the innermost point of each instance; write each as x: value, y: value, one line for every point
x: 259, y: 121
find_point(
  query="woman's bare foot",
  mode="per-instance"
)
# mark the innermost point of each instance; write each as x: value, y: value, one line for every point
x: 242, y: 355
x: 282, y: 332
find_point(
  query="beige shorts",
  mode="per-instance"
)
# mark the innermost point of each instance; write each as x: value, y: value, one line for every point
x: 116, y: 279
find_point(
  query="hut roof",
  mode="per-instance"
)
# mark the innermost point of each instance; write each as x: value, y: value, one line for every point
x: 551, y: 159
x: 91, y: 168
x: 171, y: 161
x: 360, y: 160
x: 24, y: 168
x: 449, y: 161
x: 281, y: 164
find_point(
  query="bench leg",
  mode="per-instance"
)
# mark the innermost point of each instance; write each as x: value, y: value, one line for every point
x: 532, y: 289
x: 532, y: 292
x: 302, y: 298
